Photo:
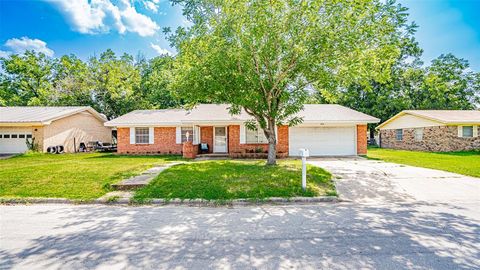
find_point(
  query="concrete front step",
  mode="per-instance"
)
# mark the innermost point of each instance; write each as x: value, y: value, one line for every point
x: 212, y: 156
x: 143, y: 179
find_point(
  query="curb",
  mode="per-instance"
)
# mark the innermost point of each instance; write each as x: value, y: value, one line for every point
x: 178, y: 202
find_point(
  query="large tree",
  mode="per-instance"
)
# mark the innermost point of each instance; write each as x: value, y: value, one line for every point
x: 116, y: 81
x: 263, y: 56
x: 26, y: 79
x: 448, y: 83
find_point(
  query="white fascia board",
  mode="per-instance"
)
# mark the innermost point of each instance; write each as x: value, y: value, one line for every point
x: 23, y: 124
x: 121, y: 125
x: 334, y: 123
x: 212, y: 123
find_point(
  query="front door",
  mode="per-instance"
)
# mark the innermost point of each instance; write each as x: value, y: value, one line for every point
x: 220, y: 140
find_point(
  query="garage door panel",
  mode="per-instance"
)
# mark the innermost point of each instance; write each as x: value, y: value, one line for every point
x: 13, y: 142
x: 322, y: 141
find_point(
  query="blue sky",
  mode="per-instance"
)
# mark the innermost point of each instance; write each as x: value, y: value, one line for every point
x: 88, y: 27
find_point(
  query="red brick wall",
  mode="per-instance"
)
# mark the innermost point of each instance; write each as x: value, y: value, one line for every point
x: 361, y: 139
x: 206, y: 136
x: 164, y: 142
x: 234, y: 145
x: 190, y: 150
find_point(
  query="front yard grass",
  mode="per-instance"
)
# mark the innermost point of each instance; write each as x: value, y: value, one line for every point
x: 80, y: 176
x: 233, y: 179
x: 466, y: 163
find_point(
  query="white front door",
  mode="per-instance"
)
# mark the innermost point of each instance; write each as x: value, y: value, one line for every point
x: 219, y: 139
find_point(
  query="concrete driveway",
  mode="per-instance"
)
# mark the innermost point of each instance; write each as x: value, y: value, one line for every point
x: 370, y: 181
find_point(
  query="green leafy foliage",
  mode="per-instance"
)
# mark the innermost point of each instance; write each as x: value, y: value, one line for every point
x: 111, y: 84
x: 263, y: 56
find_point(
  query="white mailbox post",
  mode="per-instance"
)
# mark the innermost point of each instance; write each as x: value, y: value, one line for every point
x: 304, y: 153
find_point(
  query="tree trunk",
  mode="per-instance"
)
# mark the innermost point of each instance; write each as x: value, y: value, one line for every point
x: 272, y: 143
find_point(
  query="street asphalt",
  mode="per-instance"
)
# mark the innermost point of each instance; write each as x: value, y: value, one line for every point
x: 406, y: 232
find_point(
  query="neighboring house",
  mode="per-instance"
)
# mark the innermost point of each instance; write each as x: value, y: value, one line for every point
x: 327, y: 130
x: 50, y: 126
x: 432, y: 130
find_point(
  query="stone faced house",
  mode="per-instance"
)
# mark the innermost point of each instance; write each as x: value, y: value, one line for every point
x: 326, y: 130
x: 432, y: 130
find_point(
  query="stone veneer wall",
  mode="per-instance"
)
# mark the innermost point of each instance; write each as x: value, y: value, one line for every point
x: 435, y: 139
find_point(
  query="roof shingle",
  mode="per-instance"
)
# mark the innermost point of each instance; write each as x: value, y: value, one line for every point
x: 220, y: 113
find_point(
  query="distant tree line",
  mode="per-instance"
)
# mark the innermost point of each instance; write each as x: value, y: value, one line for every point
x: 113, y: 85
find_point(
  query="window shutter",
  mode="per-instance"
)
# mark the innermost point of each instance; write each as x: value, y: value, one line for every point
x: 132, y: 135
x: 178, y: 137
x: 460, y: 131
x: 475, y: 131
x: 151, y: 135
x: 242, y: 134
x: 196, y: 134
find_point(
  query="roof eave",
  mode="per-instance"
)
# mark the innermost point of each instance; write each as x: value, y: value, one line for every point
x: 23, y: 124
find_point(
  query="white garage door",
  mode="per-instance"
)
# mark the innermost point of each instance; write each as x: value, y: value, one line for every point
x: 323, y: 141
x: 13, y: 142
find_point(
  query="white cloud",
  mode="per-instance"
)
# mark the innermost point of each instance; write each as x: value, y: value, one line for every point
x: 160, y: 50
x: 100, y: 16
x: 151, y: 5
x: 4, y: 53
x: 20, y: 45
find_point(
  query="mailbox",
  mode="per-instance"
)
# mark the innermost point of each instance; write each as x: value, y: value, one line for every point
x: 304, y: 152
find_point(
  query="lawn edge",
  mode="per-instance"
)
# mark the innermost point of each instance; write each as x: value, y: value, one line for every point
x: 160, y: 202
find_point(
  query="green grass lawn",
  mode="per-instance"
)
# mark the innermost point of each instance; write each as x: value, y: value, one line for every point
x: 467, y: 163
x: 74, y: 176
x: 226, y: 180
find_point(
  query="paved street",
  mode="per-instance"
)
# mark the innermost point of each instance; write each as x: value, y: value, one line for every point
x: 398, y: 228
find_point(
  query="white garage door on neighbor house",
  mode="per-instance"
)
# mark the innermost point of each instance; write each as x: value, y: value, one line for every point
x: 323, y: 141
x: 14, y: 142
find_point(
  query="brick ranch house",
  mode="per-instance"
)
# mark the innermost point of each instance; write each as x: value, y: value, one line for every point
x: 327, y: 130
x: 432, y: 130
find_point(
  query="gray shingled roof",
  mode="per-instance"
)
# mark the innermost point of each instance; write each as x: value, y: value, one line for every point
x: 448, y: 116
x: 443, y: 116
x: 219, y: 113
x: 41, y: 115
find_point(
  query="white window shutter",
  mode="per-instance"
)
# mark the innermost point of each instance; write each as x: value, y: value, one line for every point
x: 178, y: 137
x: 475, y: 131
x: 151, y: 135
x: 132, y: 135
x: 460, y: 131
x: 242, y: 134
x: 196, y: 134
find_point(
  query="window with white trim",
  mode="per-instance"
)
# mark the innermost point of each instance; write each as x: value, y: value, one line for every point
x: 141, y: 135
x: 399, y: 134
x: 467, y: 131
x: 418, y: 134
x: 255, y: 136
x: 185, y: 131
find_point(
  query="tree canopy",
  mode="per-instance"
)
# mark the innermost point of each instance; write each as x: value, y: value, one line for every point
x: 111, y: 84
x: 262, y: 56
